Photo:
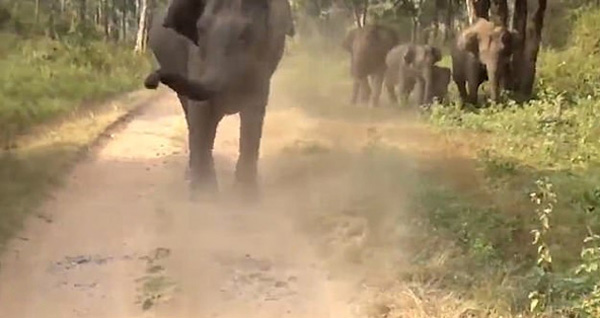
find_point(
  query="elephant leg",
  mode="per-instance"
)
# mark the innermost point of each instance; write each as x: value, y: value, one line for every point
x: 475, y: 76
x: 419, y: 88
x: 473, y: 85
x: 462, y: 89
x: 365, y: 88
x: 202, y: 127
x: 184, y: 105
x: 377, y: 86
x: 251, y: 120
x: 390, y: 84
x: 406, y: 87
x: 355, y: 91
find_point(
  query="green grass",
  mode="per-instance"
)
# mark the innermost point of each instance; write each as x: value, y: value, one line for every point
x: 485, y: 233
x: 51, y: 108
x: 41, y: 79
x: 556, y: 135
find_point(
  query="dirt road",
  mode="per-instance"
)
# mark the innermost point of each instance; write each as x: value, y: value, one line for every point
x: 121, y: 238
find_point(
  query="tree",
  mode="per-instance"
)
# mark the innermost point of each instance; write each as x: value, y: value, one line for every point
x: 532, y: 46
x: 140, y: 42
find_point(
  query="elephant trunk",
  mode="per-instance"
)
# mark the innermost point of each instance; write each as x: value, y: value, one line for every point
x: 199, y: 90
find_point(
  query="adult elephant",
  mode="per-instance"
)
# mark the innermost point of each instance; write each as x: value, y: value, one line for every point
x: 368, y: 47
x: 219, y: 56
x: 409, y: 65
x: 482, y: 52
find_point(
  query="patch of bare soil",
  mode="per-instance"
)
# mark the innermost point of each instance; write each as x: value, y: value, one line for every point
x: 121, y: 238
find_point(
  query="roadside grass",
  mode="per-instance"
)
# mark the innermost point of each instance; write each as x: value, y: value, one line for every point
x: 42, y: 160
x: 53, y: 104
x: 42, y: 79
x: 478, y: 243
x: 554, y: 137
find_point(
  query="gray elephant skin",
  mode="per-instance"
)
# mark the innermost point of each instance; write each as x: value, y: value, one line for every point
x: 441, y: 80
x: 482, y: 52
x: 368, y: 47
x: 219, y: 57
x: 410, y: 65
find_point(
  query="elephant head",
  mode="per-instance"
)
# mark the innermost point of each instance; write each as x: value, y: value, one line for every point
x: 492, y: 46
x: 421, y: 59
x: 368, y: 47
x: 239, y: 42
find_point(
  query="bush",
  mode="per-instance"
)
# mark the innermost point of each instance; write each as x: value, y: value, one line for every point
x: 42, y: 79
x: 575, y: 69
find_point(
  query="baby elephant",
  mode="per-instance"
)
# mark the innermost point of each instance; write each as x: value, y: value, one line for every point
x: 439, y: 84
x: 441, y: 80
x: 409, y: 65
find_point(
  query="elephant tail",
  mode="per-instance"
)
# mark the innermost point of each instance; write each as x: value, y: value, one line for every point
x: 152, y: 80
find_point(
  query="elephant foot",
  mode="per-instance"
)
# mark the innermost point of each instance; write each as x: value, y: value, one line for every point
x: 247, y: 192
x: 203, y: 190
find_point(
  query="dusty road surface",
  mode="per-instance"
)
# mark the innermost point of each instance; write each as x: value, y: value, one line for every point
x: 121, y: 238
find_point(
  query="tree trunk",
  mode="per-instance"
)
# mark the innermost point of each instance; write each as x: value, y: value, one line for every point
x: 123, y: 23
x: 105, y: 20
x: 436, y: 21
x: 500, y: 12
x: 532, y: 47
x: 471, y: 11
x: 365, y: 12
x: 357, y: 18
x: 478, y: 9
x: 37, y: 12
x: 482, y: 9
x: 415, y: 30
x: 449, y: 21
x: 519, y: 26
x: 82, y: 12
x: 142, y: 25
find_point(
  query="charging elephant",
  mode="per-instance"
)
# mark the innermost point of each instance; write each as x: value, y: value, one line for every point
x: 482, y: 52
x: 409, y: 65
x: 219, y: 57
x: 368, y: 47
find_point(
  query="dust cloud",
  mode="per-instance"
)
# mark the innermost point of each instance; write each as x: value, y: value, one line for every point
x: 330, y: 238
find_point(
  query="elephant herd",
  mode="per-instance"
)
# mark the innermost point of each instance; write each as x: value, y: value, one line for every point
x: 219, y: 56
x: 482, y: 52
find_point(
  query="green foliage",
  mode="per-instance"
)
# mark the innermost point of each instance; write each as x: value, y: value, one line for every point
x: 574, y: 69
x: 556, y: 135
x: 545, y: 199
x: 43, y: 79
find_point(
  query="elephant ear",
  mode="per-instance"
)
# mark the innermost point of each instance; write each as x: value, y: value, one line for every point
x: 469, y: 42
x: 409, y: 55
x: 436, y: 54
x: 182, y: 16
x: 347, y: 43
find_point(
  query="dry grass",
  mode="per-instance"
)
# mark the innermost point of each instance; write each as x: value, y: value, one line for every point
x: 41, y: 159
